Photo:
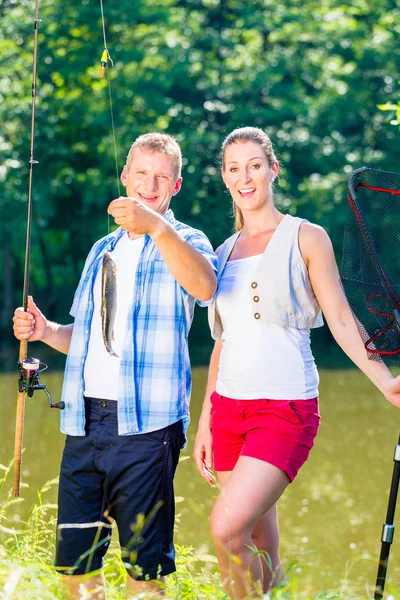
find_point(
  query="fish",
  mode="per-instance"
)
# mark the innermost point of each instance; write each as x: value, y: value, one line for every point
x: 108, y: 301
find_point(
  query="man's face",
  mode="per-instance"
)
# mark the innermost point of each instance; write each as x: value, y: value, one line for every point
x: 150, y: 178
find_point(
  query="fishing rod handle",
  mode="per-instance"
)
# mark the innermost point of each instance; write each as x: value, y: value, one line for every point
x: 19, y: 427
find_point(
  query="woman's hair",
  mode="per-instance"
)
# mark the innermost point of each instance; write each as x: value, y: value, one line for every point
x: 158, y: 142
x: 247, y: 134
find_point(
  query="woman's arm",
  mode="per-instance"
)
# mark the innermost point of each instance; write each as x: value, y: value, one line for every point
x: 202, y: 451
x: 317, y: 252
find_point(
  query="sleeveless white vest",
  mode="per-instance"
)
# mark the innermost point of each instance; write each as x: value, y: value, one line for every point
x: 280, y: 289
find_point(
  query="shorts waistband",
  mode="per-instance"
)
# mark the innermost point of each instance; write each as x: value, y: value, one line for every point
x: 263, y: 400
x: 98, y: 404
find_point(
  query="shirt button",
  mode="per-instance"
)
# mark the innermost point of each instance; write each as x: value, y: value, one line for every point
x: 254, y: 285
x: 257, y: 315
x: 256, y: 298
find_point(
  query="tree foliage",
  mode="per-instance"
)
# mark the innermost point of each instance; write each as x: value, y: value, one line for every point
x: 311, y: 73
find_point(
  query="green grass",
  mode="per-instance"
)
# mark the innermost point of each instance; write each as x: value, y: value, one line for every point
x: 26, y: 556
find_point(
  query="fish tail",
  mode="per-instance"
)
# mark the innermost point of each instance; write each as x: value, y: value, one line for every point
x: 111, y: 351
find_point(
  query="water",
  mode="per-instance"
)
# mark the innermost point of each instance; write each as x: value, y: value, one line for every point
x: 331, y: 516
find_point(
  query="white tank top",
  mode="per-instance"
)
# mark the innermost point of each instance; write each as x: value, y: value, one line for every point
x: 101, y: 373
x: 259, y: 359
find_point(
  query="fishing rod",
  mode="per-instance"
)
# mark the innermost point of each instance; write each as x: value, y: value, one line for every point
x: 29, y: 368
x: 388, y: 527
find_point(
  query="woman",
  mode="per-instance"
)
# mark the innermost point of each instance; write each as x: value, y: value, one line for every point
x: 260, y: 413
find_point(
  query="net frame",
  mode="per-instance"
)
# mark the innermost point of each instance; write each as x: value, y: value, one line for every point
x: 385, y: 182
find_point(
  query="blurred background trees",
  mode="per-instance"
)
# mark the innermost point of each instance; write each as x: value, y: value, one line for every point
x: 310, y: 72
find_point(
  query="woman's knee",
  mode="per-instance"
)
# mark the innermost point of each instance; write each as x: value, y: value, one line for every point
x: 219, y: 527
x: 227, y: 533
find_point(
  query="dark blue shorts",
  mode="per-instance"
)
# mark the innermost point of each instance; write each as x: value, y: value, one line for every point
x: 127, y: 479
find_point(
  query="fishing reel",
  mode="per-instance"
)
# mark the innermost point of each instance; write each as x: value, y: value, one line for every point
x: 29, y: 380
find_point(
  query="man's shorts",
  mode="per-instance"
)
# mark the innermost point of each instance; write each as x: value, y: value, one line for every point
x: 129, y: 479
x: 280, y: 432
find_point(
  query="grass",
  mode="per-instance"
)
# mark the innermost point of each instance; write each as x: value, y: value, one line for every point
x: 26, y: 556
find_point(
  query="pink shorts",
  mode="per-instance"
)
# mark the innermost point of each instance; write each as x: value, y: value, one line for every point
x: 280, y: 432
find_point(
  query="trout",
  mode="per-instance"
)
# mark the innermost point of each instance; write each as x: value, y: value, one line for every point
x: 108, y: 301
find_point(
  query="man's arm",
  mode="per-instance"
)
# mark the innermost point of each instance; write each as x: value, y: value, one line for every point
x: 32, y: 325
x: 187, y: 265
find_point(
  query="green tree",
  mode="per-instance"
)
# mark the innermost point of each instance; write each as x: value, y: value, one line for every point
x: 311, y: 73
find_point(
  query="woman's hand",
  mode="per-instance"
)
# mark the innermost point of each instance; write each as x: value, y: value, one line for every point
x: 392, y: 392
x: 203, y: 448
x: 202, y: 453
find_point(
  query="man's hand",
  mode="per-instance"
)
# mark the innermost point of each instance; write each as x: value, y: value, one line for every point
x: 31, y: 324
x: 186, y: 264
x: 135, y: 217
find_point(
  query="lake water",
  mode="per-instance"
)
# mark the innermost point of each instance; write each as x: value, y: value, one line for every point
x: 330, y: 518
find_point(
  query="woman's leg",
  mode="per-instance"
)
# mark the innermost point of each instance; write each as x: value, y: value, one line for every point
x: 265, y: 537
x: 249, y: 491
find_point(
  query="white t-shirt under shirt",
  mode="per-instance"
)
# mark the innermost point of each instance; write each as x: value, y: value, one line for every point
x: 258, y: 359
x: 101, y: 372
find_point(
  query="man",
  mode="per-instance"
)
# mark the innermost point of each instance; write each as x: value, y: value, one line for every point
x: 125, y: 417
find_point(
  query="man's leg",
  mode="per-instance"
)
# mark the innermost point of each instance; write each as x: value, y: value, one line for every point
x: 153, y: 589
x: 83, y: 530
x: 141, y: 492
x: 85, y: 586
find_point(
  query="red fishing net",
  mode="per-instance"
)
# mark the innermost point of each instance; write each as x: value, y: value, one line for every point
x: 371, y: 260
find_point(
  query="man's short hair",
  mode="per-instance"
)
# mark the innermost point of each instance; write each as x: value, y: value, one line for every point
x: 158, y: 142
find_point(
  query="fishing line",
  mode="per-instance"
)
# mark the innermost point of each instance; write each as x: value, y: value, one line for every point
x: 104, y: 60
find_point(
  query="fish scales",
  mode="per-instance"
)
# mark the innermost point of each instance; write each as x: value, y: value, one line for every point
x: 108, y: 301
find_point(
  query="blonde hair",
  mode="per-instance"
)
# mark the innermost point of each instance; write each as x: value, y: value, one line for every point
x: 247, y: 134
x: 158, y: 142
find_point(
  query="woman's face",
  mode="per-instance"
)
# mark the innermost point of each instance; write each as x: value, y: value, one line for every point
x: 248, y: 176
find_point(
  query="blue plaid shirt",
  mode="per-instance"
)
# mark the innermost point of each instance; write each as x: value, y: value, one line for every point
x: 155, y: 379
